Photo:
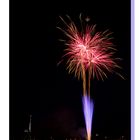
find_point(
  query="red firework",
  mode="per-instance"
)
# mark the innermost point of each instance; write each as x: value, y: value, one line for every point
x: 89, y: 50
x: 91, y: 53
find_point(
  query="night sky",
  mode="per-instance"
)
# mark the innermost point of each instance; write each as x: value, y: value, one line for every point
x: 41, y: 88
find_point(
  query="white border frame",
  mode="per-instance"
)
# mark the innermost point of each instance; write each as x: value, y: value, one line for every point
x: 4, y: 69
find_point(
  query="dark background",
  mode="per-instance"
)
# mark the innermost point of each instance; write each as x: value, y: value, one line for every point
x: 41, y: 88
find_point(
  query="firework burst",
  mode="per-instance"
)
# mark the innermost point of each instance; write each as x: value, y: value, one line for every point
x: 89, y: 52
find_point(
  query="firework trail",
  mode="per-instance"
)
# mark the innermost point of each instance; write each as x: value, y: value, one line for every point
x: 89, y: 54
x: 88, y: 107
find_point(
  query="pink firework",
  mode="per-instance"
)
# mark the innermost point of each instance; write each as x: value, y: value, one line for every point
x: 89, y: 50
x: 88, y: 53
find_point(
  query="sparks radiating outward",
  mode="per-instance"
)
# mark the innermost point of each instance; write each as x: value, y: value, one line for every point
x: 90, y: 54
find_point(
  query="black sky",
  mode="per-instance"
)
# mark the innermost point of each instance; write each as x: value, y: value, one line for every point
x: 40, y: 88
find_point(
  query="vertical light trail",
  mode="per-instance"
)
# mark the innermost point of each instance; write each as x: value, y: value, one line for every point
x: 88, y: 108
